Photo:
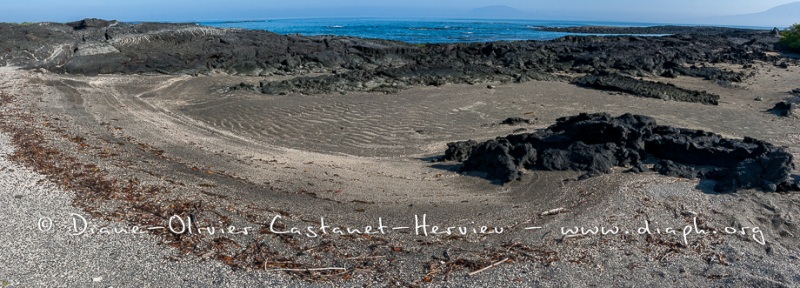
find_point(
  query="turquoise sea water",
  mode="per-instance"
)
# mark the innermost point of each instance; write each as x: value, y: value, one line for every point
x: 417, y: 31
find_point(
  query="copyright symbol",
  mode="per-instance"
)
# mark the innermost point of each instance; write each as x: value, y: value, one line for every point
x: 45, y: 224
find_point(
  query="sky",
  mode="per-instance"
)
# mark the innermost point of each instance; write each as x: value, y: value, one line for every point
x: 200, y: 10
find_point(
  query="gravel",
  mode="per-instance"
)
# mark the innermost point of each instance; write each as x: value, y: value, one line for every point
x: 33, y: 255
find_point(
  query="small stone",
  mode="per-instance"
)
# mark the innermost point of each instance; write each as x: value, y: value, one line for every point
x: 515, y: 121
x: 759, y: 99
x: 490, y: 86
x: 97, y: 279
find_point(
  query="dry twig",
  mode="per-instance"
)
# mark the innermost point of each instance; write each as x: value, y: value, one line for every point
x: 308, y: 269
x: 488, y: 267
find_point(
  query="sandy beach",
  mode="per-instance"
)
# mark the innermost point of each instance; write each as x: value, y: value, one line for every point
x: 344, y: 189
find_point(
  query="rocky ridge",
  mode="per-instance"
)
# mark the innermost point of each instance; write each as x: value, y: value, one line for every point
x: 347, y: 64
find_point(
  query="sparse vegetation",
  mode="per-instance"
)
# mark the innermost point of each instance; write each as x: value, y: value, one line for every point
x: 790, y: 38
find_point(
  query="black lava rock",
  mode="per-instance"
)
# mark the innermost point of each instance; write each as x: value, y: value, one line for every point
x: 94, y: 46
x: 786, y: 108
x: 595, y: 143
x: 459, y: 151
x: 515, y: 121
x: 669, y: 168
x: 647, y: 89
x: 500, y: 159
x: 91, y: 23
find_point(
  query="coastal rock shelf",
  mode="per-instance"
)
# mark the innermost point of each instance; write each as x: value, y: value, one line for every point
x: 614, y: 63
x: 648, y: 89
x: 595, y: 143
x: 351, y: 64
x: 667, y: 29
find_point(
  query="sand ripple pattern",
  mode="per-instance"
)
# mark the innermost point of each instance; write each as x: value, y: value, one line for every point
x: 364, y: 125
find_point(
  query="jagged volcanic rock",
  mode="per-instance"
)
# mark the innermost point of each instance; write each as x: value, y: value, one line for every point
x: 665, y: 29
x: 94, y: 46
x: 515, y: 121
x: 91, y: 23
x: 459, y: 151
x: 500, y: 159
x: 669, y: 168
x: 646, y: 88
x: 595, y: 143
x: 786, y: 107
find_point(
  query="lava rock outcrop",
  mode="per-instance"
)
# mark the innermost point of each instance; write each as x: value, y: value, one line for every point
x: 647, y: 89
x: 596, y: 143
x: 664, y: 29
x: 786, y: 107
x: 348, y: 64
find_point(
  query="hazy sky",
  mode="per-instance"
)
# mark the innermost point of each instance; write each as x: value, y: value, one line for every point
x: 189, y: 10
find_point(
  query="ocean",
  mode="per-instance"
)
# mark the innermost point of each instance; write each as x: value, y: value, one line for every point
x: 418, y: 31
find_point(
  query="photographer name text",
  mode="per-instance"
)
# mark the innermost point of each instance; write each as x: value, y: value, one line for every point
x: 77, y: 225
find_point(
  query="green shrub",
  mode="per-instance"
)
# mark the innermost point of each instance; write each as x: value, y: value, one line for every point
x: 791, y: 37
